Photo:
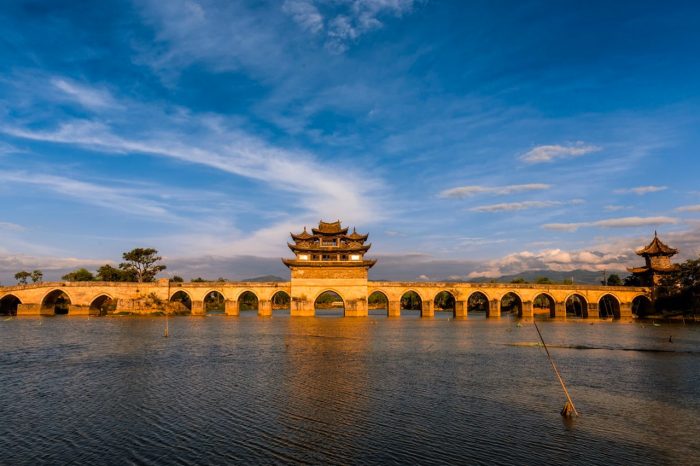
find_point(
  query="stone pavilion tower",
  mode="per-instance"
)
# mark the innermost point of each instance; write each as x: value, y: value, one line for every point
x: 658, y: 262
x: 329, y: 259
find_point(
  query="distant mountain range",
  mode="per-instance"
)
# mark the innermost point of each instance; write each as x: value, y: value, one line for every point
x: 587, y: 277
x: 265, y: 278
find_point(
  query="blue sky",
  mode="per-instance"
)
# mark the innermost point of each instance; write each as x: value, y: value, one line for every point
x: 468, y: 138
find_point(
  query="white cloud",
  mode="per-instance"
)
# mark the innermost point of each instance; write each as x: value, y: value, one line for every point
x: 122, y: 200
x: 615, y: 208
x: 547, y: 153
x: 689, y: 208
x: 344, y: 20
x: 509, y: 206
x: 8, y: 226
x: 641, y: 190
x: 622, y: 222
x: 472, y: 190
x: 87, y: 96
x: 304, y: 13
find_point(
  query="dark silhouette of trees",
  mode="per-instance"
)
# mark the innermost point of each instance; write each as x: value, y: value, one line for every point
x: 22, y: 277
x: 80, y: 275
x: 143, y: 263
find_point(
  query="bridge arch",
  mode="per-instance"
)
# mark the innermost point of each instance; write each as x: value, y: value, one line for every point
x: 184, y: 299
x: 328, y: 301
x: 411, y: 300
x: 214, y: 302
x: 544, y: 300
x: 512, y: 302
x: 609, y: 306
x: 642, y: 306
x: 281, y: 301
x: 445, y: 300
x: 478, y: 301
x: 248, y: 300
x: 576, y: 306
x: 9, y: 305
x: 378, y: 301
x: 102, y: 304
x: 56, y: 302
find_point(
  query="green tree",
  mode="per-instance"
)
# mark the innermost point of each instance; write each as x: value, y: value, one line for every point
x: 518, y: 280
x: 37, y: 276
x: 80, y: 275
x: 543, y: 281
x: 107, y: 273
x: 614, y: 280
x: 177, y: 279
x: 680, y: 290
x: 198, y: 280
x: 142, y: 262
x: 22, y: 277
x: 632, y: 280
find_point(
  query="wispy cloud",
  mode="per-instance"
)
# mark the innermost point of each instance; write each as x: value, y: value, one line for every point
x: 689, y: 208
x: 641, y: 190
x: 509, y: 206
x: 305, y: 14
x: 88, y: 96
x: 622, y: 222
x: 344, y: 21
x: 9, y: 226
x: 472, y: 190
x: 523, y: 205
x: 122, y: 200
x: 615, y: 208
x: 548, y: 153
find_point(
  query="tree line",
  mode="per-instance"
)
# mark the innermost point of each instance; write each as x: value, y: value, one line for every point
x: 140, y: 265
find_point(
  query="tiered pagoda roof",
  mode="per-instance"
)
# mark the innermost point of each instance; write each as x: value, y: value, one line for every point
x: 329, y: 244
x: 657, y: 248
x: 658, y: 261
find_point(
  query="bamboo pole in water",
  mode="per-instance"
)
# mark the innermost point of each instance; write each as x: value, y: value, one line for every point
x: 569, y: 406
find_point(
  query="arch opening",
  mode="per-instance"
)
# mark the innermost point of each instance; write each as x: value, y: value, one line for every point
x: 377, y: 304
x: 281, y: 302
x: 512, y: 304
x: 576, y: 307
x: 445, y: 304
x: 9, y: 305
x: 642, y: 306
x: 543, y: 306
x: 411, y: 304
x: 57, y: 303
x: 214, y: 303
x: 609, y: 307
x: 180, y: 303
x: 248, y: 303
x: 478, y: 303
x: 102, y: 305
x: 329, y: 303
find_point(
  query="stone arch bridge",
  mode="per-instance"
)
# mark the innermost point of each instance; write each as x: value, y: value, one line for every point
x: 494, y: 299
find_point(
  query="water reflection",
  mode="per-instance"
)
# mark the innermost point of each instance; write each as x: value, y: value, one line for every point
x: 345, y: 391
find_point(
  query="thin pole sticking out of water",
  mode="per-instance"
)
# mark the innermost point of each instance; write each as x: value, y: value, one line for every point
x: 165, y: 334
x: 569, y: 406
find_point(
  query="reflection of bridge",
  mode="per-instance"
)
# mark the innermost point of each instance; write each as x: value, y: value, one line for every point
x: 559, y: 301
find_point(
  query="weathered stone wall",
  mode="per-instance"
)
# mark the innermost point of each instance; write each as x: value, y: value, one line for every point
x: 305, y: 288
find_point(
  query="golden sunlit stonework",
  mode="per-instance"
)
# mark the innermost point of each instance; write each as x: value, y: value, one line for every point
x: 331, y: 259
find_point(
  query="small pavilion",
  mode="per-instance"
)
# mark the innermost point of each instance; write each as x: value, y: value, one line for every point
x: 658, y: 262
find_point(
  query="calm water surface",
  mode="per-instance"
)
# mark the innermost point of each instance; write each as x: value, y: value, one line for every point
x: 344, y: 391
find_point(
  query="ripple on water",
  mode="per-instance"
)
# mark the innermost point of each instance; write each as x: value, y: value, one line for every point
x: 343, y: 391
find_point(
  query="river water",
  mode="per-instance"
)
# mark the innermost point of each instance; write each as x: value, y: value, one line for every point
x: 330, y: 390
